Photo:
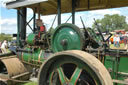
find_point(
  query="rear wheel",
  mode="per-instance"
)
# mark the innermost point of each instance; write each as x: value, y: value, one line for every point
x: 73, y: 68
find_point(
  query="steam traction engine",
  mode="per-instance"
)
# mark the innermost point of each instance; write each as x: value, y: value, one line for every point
x: 68, y: 56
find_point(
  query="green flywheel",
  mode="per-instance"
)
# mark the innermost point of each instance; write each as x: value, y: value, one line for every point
x: 67, y: 37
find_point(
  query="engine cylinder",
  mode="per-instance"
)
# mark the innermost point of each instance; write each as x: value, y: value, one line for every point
x: 31, y: 39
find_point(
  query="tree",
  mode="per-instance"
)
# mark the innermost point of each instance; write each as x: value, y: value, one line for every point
x: 5, y: 37
x: 112, y: 22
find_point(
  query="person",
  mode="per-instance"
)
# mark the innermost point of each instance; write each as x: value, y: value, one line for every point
x: 125, y: 41
x: 0, y: 47
x: 114, y: 40
x: 127, y: 45
x: 4, y: 47
x: 117, y: 41
x: 41, y: 27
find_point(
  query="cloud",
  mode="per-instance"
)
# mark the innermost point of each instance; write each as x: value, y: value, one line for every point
x: 48, y: 20
x: 8, y: 25
x: 87, y: 17
x: 105, y: 11
x: 29, y: 12
x: 10, y: 21
x: 127, y: 19
x: 9, y: 29
x: 3, y: 3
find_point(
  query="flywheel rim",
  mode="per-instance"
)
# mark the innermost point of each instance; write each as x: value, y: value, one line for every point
x: 75, y: 78
x: 96, y: 66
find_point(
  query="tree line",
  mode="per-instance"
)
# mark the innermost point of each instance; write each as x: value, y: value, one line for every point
x: 4, y: 36
x: 110, y: 23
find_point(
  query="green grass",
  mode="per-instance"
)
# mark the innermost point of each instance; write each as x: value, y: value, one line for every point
x: 121, y: 46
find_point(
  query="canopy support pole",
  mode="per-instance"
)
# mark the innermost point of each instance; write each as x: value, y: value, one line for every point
x: 73, y: 11
x: 34, y: 18
x: 59, y: 11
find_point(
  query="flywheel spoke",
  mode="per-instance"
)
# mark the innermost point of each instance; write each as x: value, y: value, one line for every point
x: 75, y: 75
x: 53, y: 78
x: 62, y: 77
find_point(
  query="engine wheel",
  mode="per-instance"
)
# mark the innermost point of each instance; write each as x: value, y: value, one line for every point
x: 3, y: 83
x: 73, y: 68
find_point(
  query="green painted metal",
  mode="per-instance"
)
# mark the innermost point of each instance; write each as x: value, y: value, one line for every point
x: 97, y: 39
x: 76, y: 75
x: 80, y: 66
x: 62, y: 77
x: 26, y: 56
x: 67, y: 37
x: 31, y: 39
x: 34, y: 58
x: 123, y: 64
x: 111, y: 64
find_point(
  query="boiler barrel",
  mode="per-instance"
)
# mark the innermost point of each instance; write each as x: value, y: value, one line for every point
x: 37, y: 56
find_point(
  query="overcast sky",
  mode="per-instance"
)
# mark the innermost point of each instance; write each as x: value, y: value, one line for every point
x: 8, y: 18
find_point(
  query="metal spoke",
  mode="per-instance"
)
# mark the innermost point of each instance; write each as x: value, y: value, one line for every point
x: 61, y: 75
x: 53, y: 78
x: 75, y: 75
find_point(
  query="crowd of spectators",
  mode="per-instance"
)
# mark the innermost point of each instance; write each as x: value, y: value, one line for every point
x: 121, y: 38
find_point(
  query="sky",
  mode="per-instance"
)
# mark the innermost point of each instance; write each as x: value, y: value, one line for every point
x: 8, y: 18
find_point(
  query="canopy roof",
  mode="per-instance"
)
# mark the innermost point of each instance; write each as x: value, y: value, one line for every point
x: 48, y: 7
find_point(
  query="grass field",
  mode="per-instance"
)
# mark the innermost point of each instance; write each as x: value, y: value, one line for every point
x: 122, y: 46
